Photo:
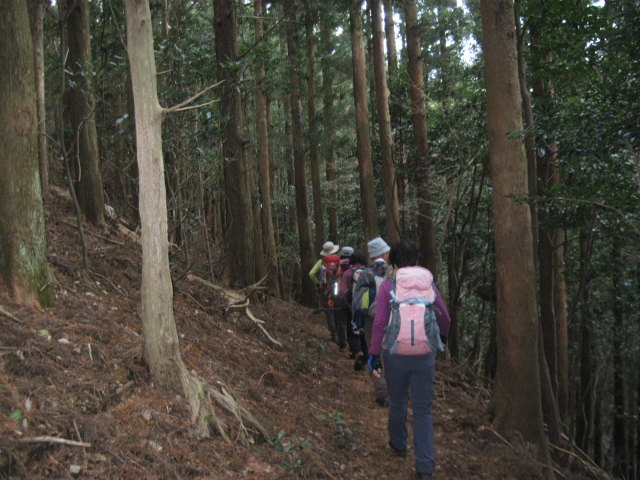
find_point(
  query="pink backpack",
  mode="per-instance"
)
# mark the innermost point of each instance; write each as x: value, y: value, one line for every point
x: 413, y: 328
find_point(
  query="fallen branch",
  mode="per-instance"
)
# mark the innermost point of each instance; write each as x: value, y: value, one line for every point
x: 48, y: 439
x: 237, y: 299
x: 259, y: 324
x: 5, y: 312
x: 588, y: 464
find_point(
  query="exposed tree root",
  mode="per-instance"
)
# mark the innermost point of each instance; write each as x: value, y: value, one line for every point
x: 202, y: 396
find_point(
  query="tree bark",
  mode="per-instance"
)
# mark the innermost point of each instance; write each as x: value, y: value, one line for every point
x: 36, y: 14
x: 367, y: 184
x: 23, y: 244
x: 239, y: 228
x: 516, y: 395
x: 264, y: 163
x: 307, y: 294
x: 318, y: 208
x: 79, y: 107
x: 549, y: 361
x: 329, y: 122
x: 420, y: 165
x: 161, y: 345
x: 584, y: 400
x: 390, y: 35
x: 392, y: 216
x: 620, y: 440
x: 544, y: 175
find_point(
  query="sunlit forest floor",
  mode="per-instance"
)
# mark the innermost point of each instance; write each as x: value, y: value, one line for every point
x: 75, y: 372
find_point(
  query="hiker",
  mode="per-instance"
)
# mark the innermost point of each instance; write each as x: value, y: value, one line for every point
x: 365, y: 303
x: 323, y: 268
x: 342, y: 314
x: 356, y: 340
x: 345, y: 294
x: 405, y: 361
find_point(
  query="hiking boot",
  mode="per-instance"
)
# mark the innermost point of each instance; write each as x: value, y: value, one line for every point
x: 398, y: 452
x: 334, y: 337
x: 425, y: 476
x: 359, y: 362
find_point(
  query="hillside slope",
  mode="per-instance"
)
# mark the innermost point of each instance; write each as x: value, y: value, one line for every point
x: 75, y: 372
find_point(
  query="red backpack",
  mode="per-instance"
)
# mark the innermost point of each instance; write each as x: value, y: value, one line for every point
x: 329, y: 278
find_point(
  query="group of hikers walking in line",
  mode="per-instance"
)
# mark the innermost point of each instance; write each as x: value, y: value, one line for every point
x: 392, y: 319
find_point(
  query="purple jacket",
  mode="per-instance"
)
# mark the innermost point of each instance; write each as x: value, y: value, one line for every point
x: 383, y: 313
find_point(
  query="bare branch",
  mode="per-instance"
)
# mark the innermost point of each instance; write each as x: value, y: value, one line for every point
x: 180, y: 106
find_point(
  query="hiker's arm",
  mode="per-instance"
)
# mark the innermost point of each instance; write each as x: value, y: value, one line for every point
x: 382, y: 317
x: 313, y: 273
x: 442, y: 314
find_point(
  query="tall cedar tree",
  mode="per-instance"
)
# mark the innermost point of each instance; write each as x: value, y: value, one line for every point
x: 314, y: 134
x: 516, y: 395
x: 328, y: 119
x: 551, y: 250
x: 23, y: 245
x: 161, y: 344
x: 79, y: 110
x: 240, y: 233
x: 419, y: 119
x: 550, y: 409
x: 367, y: 183
x: 390, y: 185
x: 36, y: 18
x: 300, y: 171
x: 264, y: 162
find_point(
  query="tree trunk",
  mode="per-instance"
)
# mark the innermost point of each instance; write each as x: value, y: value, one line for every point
x: 239, y: 228
x: 79, y: 107
x: 545, y: 254
x: 419, y: 119
x: 23, y: 244
x: 584, y: 400
x: 302, y: 208
x: 36, y: 13
x: 367, y: 183
x: 562, y: 324
x: 516, y: 395
x: 318, y: 211
x: 262, y: 129
x: 329, y: 122
x: 390, y: 34
x: 392, y: 216
x: 620, y: 441
x: 161, y: 345
x: 553, y: 309
x: 461, y: 221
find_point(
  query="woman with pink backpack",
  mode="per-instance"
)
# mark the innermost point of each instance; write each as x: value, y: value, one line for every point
x: 410, y: 324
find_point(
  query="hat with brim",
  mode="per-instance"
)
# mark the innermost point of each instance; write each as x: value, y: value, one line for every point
x: 377, y: 247
x: 346, y: 252
x: 329, y: 248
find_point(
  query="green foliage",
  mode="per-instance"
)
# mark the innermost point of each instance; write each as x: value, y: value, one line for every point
x: 345, y: 436
x: 290, y: 450
x: 17, y: 415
